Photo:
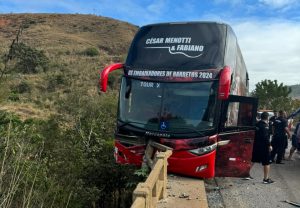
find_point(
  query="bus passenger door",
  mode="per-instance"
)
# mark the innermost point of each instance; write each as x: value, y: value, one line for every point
x: 236, y: 136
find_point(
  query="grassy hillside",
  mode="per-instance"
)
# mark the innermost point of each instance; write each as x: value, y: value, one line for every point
x: 295, y: 91
x: 56, y: 130
x: 77, y: 46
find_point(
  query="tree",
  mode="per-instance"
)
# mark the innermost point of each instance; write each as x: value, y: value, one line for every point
x: 273, y: 96
x: 26, y: 59
x: 29, y: 60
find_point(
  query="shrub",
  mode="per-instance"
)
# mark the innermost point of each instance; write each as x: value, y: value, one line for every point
x: 22, y: 87
x: 21, y: 155
x: 91, y: 52
x: 55, y: 81
x: 14, y: 97
x: 68, y: 160
x: 29, y: 60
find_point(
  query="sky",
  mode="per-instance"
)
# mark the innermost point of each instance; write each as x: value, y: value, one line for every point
x: 268, y: 31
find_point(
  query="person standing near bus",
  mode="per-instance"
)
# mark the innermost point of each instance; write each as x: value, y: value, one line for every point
x: 262, y: 146
x: 271, y: 122
x: 295, y: 140
x: 280, y: 137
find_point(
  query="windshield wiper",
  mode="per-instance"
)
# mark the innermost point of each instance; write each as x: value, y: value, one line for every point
x: 125, y: 123
x: 193, y: 129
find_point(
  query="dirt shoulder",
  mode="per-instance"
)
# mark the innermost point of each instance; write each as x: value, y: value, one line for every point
x: 184, y: 192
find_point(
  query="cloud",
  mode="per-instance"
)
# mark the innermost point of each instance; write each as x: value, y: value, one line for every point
x: 271, y: 50
x: 279, y: 4
x: 156, y: 7
x: 137, y: 12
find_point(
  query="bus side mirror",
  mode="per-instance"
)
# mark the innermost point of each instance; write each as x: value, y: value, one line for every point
x: 104, y: 75
x: 224, y: 83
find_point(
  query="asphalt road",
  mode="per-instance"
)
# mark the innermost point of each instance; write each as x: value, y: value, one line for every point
x: 236, y: 192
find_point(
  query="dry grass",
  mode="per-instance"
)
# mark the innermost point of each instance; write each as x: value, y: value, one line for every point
x: 26, y: 110
x: 63, y: 38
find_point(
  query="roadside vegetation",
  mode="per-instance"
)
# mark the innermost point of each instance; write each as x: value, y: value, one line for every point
x: 56, y: 130
x: 275, y: 96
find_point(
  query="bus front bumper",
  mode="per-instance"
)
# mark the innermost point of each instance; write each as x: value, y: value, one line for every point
x: 181, y: 162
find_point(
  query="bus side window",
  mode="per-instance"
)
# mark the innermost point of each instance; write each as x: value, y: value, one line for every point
x: 232, y: 114
x: 239, y: 114
x: 245, y: 114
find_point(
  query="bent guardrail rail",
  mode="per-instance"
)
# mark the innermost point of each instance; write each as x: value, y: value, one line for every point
x: 147, y: 194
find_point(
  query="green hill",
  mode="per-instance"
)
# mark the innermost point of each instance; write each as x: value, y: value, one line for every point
x: 76, y: 47
x: 295, y: 91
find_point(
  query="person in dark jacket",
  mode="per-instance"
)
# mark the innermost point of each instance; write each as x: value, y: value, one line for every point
x: 295, y: 140
x: 279, y: 140
x: 271, y: 122
x: 262, y: 146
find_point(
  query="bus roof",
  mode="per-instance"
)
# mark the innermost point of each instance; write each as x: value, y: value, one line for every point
x: 189, y: 22
x: 179, y: 46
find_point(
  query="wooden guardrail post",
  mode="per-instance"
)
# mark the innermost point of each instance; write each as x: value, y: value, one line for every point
x: 141, y: 196
x: 164, y: 172
x: 155, y: 187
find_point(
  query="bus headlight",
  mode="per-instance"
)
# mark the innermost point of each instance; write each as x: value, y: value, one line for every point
x: 204, y: 150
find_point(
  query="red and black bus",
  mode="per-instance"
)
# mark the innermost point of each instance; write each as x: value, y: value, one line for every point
x: 185, y: 86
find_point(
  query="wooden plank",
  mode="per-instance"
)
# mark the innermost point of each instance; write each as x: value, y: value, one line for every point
x: 153, y: 177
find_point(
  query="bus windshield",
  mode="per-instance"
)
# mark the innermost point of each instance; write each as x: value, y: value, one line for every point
x: 170, y: 107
